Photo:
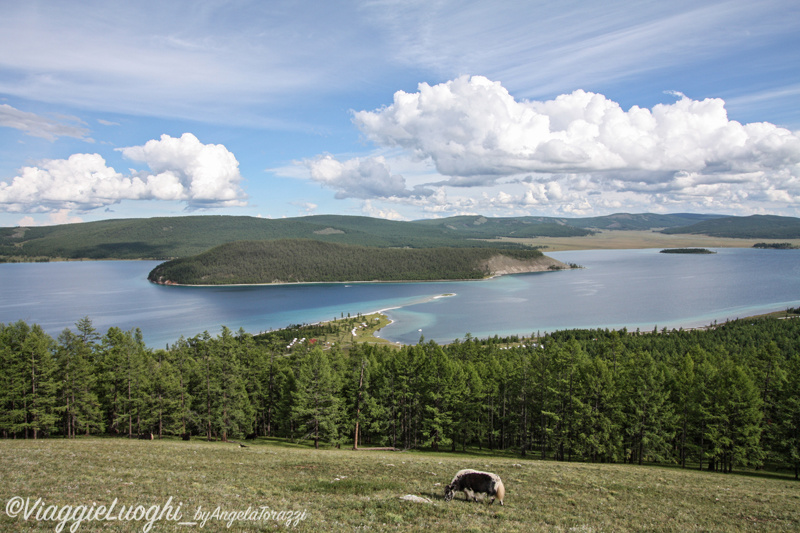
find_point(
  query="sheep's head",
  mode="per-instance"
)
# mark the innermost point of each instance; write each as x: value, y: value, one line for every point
x: 449, y: 492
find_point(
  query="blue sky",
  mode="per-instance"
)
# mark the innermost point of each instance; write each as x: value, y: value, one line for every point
x: 397, y: 109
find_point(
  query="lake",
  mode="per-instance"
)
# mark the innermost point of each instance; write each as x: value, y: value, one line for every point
x: 616, y: 288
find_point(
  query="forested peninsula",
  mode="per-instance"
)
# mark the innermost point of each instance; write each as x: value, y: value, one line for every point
x: 306, y: 261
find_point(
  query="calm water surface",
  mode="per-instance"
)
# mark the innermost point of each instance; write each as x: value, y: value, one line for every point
x: 617, y: 288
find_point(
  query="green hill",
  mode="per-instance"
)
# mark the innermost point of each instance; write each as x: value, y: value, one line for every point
x: 170, y: 237
x: 639, y: 222
x: 479, y: 227
x: 752, y: 227
x: 173, y: 237
x: 305, y: 260
x: 526, y: 227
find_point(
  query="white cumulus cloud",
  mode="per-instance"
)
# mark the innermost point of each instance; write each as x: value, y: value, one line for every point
x: 473, y: 127
x: 183, y: 169
x: 368, y: 177
x: 690, y: 152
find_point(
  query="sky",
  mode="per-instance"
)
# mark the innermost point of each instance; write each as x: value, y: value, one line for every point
x: 398, y: 109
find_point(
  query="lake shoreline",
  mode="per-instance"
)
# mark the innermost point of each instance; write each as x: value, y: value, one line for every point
x: 616, y: 289
x: 778, y: 314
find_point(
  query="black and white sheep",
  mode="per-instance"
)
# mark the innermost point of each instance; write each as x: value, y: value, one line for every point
x: 473, y: 482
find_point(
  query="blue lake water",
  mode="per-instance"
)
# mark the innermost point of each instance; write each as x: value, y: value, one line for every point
x: 617, y: 288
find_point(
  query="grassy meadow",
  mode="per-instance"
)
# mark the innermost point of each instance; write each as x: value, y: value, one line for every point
x: 344, y: 490
x: 631, y: 239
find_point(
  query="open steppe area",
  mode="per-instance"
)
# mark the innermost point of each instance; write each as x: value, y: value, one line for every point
x: 345, y: 490
x: 617, y: 240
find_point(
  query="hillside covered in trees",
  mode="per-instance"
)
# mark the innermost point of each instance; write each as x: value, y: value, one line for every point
x: 717, y: 399
x: 296, y: 260
x: 752, y: 227
x: 174, y: 237
x: 534, y: 226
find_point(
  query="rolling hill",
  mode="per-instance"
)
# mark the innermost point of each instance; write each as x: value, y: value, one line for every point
x: 174, y: 237
x: 752, y: 227
x: 527, y: 227
x: 166, y: 238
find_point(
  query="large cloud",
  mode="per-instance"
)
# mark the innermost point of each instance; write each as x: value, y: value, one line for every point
x: 183, y: 169
x: 686, y: 153
x: 474, y: 127
x: 186, y: 169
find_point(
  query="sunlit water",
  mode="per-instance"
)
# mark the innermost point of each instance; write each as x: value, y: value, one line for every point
x: 616, y: 288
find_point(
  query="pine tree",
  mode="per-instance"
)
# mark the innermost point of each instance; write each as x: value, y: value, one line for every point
x: 207, y: 390
x: 686, y: 408
x: 375, y: 416
x: 28, y: 392
x: 184, y: 366
x: 13, y: 390
x: 356, y: 390
x: 8, y: 360
x: 124, y: 363
x: 78, y: 400
x: 274, y: 372
x: 787, y: 417
x: 253, y: 359
x: 566, y: 405
x: 466, y: 394
x: 41, y: 397
x: 647, y: 412
x: 601, y: 439
x: 436, y: 392
x: 707, y: 413
x: 315, y: 402
x: 232, y: 403
x: 489, y: 375
x: 769, y: 376
x: 164, y: 406
x: 740, y: 421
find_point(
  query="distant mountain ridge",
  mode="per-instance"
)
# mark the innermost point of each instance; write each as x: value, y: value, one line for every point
x: 531, y: 226
x: 174, y: 237
x: 751, y: 227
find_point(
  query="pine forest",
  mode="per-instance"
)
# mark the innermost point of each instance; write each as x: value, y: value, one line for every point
x: 718, y: 399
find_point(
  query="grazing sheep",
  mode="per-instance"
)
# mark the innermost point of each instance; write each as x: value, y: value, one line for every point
x: 472, y: 482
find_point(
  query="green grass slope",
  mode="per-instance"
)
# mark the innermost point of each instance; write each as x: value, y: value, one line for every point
x: 345, y: 490
x: 305, y: 260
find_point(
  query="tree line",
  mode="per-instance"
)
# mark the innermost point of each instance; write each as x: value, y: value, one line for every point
x: 715, y: 399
